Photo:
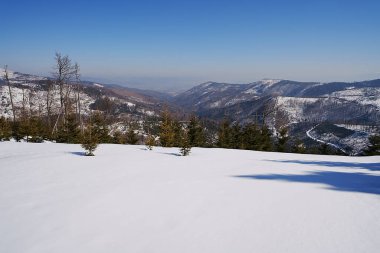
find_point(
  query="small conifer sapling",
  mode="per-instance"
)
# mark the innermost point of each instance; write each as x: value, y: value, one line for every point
x: 89, y: 143
x: 185, y: 146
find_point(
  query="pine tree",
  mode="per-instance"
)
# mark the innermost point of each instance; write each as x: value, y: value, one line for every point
x: 150, y: 142
x: 196, y: 133
x: 374, y: 145
x: 250, y: 137
x: 177, y: 129
x: 185, y: 146
x: 132, y: 137
x: 118, y: 137
x: 90, y: 139
x: 69, y: 132
x: 167, y: 133
x: 282, y: 139
x: 16, y: 132
x: 236, y: 141
x: 265, y: 141
x: 298, y: 147
x: 224, y: 135
x: 5, y: 129
x: 100, y: 128
x: 22, y: 125
x: 89, y: 142
x: 324, y: 149
x: 36, y: 130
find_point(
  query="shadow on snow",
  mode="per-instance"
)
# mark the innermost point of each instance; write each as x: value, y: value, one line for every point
x: 368, y: 166
x: 339, y: 181
x: 78, y: 153
x: 172, y: 154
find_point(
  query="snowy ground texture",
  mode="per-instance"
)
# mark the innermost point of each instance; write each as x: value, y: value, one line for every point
x: 128, y: 199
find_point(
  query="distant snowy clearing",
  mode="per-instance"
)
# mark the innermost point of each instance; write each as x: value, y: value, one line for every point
x: 129, y: 199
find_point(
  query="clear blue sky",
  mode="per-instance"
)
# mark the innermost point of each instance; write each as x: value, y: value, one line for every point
x: 177, y: 44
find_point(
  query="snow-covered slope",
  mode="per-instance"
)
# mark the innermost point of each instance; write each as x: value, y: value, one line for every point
x: 218, y: 95
x: 33, y: 98
x: 128, y: 199
x: 364, y: 96
x: 30, y: 92
x: 294, y: 106
x: 351, y: 140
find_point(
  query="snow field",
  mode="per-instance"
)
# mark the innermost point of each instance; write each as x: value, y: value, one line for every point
x: 128, y: 199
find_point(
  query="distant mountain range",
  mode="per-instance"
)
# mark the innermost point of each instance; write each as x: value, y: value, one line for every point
x: 357, y: 102
x: 338, y: 113
x: 211, y: 96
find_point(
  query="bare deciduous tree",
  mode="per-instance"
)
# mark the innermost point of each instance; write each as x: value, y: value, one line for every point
x: 63, y: 74
x: 49, y: 101
x: 6, y: 77
x: 78, y: 102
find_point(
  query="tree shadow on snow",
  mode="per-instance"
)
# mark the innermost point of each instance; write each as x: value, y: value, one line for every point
x: 368, y: 166
x: 78, y: 153
x: 173, y: 154
x: 338, y: 181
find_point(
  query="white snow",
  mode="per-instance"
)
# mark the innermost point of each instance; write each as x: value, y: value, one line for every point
x: 261, y: 85
x: 270, y: 82
x: 128, y: 199
x: 364, y: 96
x: 251, y: 91
x: 236, y: 100
x: 98, y: 85
x: 215, y: 104
x: 294, y: 106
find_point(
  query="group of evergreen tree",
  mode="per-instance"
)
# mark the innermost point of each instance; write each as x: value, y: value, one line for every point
x: 260, y: 137
x: 171, y: 133
x: 250, y: 136
x: 182, y: 134
x: 32, y: 129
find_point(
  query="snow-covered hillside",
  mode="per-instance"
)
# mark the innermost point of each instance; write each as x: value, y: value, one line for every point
x: 364, y: 96
x: 30, y: 92
x: 294, y: 106
x: 128, y: 199
x: 33, y: 98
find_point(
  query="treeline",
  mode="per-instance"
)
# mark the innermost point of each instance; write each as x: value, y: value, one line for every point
x: 165, y: 131
x: 261, y: 138
x: 35, y: 129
